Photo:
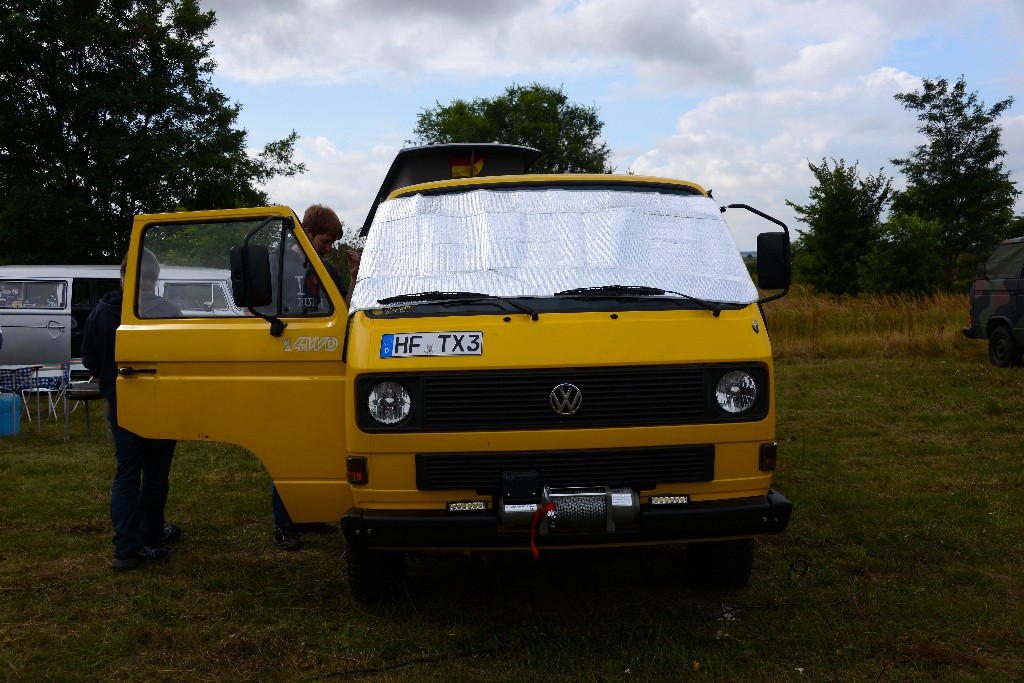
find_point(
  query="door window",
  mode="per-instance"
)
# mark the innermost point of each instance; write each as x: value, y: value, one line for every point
x: 33, y: 294
x: 196, y: 257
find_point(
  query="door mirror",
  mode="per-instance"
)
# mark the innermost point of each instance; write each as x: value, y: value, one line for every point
x: 250, y: 276
x: 774, y: 270
x: 982, y: 271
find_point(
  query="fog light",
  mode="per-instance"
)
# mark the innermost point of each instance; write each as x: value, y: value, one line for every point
x: 357, y: 470
x: 769, y: 454
x: 670, y: 499
x: 466, y: 505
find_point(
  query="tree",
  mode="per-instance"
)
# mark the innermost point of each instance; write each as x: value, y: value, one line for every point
x: 904, y: 258
x: 956, y: 178
x: 108, y: 111
x: 537, y: 116
x: 842, y: 220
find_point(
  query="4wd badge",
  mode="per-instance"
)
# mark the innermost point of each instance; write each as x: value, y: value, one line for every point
x: 311, y: 344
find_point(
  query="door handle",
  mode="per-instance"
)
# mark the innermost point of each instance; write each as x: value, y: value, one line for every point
x: 51, y: 325
x: 128, y: 371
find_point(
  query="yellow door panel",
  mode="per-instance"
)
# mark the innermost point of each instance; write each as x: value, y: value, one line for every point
x: 224, y: 377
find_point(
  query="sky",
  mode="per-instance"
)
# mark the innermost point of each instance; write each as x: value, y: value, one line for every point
x: 735, y: 95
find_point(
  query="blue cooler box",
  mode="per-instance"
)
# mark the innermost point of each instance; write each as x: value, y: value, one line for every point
x: 10, y: 414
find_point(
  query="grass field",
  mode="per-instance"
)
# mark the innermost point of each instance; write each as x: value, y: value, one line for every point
x: 901, y: 449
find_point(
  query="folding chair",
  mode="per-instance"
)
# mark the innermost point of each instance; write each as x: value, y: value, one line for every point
x: 80, y: 392
x: 52, y: 380
x: 20, y: 379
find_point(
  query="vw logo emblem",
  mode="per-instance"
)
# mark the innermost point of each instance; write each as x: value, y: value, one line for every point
x: 566, y: 399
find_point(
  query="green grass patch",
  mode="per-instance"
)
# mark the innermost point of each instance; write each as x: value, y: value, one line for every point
x: 902, y: 561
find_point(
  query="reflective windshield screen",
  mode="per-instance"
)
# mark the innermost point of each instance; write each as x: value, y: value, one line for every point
x: 540, y: 241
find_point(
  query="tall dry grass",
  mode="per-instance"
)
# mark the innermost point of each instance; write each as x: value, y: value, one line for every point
x: 804, y: 324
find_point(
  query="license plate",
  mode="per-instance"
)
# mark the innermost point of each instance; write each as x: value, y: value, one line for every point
x: 409, y: 344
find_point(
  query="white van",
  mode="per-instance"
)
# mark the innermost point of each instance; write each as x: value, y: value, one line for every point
x: 43, y: 308
x: 198, y: 292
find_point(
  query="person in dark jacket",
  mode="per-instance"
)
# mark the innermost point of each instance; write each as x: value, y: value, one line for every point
x: 139, y: 492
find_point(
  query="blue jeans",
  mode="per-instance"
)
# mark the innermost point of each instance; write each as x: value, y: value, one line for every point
x: 281, y: 517
x: 139, y: 494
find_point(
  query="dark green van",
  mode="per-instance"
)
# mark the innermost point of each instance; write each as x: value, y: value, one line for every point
x: 997, y: 304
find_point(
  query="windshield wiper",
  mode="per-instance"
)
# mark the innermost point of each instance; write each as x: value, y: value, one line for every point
x: 620, y: 290
x: 425, y: 297
x: 430, y: 296
x: 637, y: 290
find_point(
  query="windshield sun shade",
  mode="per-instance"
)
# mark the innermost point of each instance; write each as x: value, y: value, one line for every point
x: 536, y: 242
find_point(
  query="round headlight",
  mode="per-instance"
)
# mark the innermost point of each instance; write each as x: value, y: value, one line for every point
x: 736, y: 392
x: 389, y: 403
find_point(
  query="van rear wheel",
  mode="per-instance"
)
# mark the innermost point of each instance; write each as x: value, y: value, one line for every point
x: 721, y: 564
x: 1003, y: 351
x: 374, y: 575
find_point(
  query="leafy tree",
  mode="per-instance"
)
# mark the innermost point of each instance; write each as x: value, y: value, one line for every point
x: 537, y: 116
x: 842, y: 220
x: 108, y: 111
x: 905, y: 258
x: 956, y: 178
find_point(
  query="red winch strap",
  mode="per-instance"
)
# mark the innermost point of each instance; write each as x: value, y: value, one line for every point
x: 541, y: 511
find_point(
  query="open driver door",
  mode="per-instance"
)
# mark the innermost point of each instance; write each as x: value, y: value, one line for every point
x: 213, y: 378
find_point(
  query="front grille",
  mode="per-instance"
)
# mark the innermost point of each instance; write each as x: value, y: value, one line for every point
x: 506, y: 400
x: 638, y: 468
x: 520, y: 400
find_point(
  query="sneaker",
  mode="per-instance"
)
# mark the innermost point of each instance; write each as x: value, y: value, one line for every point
x: 172, y: 532
x: 287, y: 538
x: 142, y: 557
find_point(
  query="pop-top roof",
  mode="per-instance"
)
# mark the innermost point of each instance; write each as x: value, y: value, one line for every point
x: 415, y: 165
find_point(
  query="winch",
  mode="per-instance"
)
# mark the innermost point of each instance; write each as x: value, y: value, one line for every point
x: 565, y: 508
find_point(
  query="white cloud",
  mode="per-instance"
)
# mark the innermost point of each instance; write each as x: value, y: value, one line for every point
x: 348, y: 41
x: 343, y: 180
x: 753, y: 147
x: 685, y: 45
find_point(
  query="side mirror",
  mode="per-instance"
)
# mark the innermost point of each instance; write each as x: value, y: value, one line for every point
x: 774, y: 261
x: 774, y: 256
x: 250, y: 276
x: 982, y: 271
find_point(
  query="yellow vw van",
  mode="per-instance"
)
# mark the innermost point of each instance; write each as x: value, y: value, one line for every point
x: 529, y: 363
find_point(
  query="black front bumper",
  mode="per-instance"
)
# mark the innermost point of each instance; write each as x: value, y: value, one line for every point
x: 439, y: 529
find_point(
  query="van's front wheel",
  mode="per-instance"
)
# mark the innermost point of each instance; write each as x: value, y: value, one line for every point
x: 1003, y: 351
x: 721, y: 564
x: 374, y: 575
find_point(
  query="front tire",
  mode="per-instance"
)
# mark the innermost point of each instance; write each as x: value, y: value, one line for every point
x: 721, y: 564
x: 1003, y: 351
